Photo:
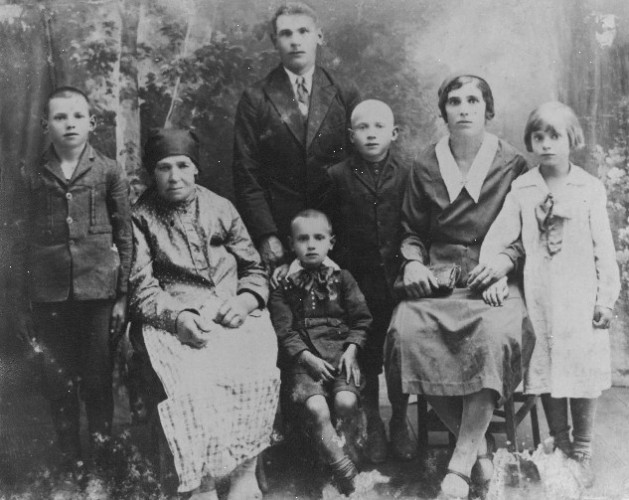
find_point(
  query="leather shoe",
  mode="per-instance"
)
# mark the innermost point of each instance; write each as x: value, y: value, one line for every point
x: 585, y: 474
x: 402, y: 446
x: 376, y: 450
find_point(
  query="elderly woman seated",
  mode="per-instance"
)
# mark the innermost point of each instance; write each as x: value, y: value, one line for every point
x: 198, y: 289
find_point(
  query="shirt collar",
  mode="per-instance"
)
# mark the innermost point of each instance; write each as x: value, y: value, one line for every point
x: 293, y: 77
x: 577, y: 176
x: 451, y: 174
x: 296, y: 266
x: 50, y: 154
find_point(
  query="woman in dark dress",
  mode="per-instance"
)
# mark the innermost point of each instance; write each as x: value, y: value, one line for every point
x: 465, y: 356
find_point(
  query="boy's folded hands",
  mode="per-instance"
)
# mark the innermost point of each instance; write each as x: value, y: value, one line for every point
x: 319, y: 369
x: 349, y: 365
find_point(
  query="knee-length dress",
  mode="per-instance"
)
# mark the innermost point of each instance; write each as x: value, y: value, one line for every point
x: 222, y: 398
x: 571, y: 358
x: 458, y: 345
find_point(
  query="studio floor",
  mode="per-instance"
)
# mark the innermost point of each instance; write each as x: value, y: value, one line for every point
x: 28, y: 457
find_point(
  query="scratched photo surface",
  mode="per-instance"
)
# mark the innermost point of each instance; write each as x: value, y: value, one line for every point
x: 148, y: 64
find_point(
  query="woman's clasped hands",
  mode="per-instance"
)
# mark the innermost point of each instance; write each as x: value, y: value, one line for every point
x: 490, y: 279
x: 193, y: 329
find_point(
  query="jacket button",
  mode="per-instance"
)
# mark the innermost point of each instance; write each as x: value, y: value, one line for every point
x: 69, y: 220
x: 68, y: 196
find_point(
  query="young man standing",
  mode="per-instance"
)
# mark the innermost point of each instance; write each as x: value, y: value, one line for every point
x: 290, y: 126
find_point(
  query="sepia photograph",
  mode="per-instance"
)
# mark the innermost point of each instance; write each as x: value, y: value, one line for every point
x: 320, y: 249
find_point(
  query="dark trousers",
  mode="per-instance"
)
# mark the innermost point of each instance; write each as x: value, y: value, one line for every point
x: 373, y: 284
x: 76, y: 360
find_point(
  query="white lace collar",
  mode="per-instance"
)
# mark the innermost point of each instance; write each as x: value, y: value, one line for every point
x: 451, y: 174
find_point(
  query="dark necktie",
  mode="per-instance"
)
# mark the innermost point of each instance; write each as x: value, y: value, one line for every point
x: 302, y: 96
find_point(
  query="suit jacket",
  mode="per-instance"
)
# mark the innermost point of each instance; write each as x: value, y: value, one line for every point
x: 280, y: 161
x: 67, y: 229
x: 323, y: 322
x: 367, y: 214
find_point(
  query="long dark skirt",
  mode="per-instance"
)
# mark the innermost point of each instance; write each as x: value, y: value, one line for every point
x: 458, y: 345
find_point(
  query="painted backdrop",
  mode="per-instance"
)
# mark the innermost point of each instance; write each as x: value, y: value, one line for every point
x: 149, y: 63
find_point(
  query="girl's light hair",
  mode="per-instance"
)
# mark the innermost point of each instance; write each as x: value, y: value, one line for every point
x: 552, y: 117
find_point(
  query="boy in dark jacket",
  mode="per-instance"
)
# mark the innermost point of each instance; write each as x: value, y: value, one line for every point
x: 73, y: 255
x: 321, y: 321
x: 366, y: 198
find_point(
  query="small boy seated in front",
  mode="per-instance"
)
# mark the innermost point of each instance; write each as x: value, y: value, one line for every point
x: 321, y: 320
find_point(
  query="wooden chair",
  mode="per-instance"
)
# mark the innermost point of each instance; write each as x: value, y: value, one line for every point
x: 508, y: 420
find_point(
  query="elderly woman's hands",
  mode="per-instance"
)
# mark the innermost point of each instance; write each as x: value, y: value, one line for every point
x: 487, y: 273
x: 418, y: 280
x: 193, y: 329
x: 234, y: 311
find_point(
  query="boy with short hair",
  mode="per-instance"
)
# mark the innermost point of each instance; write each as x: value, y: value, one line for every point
x: 367, y: 195
x: 321, y: 320
x: 72, y: 281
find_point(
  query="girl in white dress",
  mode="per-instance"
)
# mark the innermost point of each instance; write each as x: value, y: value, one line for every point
x: 571, y: 279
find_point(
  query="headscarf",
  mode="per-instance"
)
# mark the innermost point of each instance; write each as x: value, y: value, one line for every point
x: 170, y: 142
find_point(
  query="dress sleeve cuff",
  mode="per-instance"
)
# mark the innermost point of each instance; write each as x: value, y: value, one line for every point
x: 175, y: 318
x: 259, y: 298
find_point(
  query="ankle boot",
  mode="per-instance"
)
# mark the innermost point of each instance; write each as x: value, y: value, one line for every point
x: 344, y: 472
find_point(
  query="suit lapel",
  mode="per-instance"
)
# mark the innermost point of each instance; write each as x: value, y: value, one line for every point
x: 85, y: 163
x: 323, y: 93
x: 280, y: 92
x: 51, y: 164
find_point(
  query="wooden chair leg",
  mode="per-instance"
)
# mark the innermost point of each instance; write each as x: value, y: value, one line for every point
x: 451, y: 440
x: 422, y: 423
x: 510, y: 424
x: 535, y: 424
x: 263, y: 482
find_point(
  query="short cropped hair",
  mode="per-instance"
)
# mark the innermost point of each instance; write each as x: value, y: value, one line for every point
x: 65, y: 91
x: 456, y: 82
x: 311, y: 213
x: 550, y: 116
x: 292, y: 9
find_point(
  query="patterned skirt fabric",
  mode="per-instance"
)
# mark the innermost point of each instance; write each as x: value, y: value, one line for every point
x: 221, y: 399
x: 458, y: 345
